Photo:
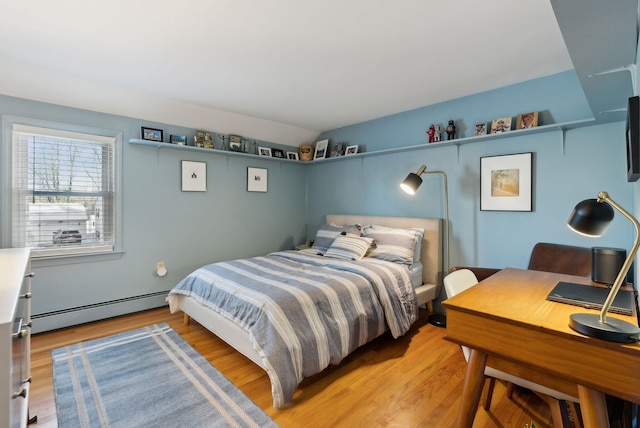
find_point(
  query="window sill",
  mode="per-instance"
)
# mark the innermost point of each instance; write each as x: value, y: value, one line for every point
x: 68, y: 259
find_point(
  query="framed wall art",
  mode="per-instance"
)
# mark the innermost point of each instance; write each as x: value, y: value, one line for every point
x: 321, y: 149
x: 292, y: 156
x: 506, y: 182
x: 194, y: 176
x: 264, y: 151
x: 257, y: 179
x: 352, y: 150
x: 501, y: 125
x: 480, y: 129
x: 527, y: 120
x: 152, y: 134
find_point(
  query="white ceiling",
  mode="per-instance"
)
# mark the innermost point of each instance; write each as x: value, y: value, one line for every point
x: 310, y: 64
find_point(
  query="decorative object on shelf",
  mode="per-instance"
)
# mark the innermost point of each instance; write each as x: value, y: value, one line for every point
x: 338, y: 150
x: 431, y: 132
x: 501, y: 125
x: 321, y: 149
x: 277, y: 153
x: 592, y: 217
x: 152, y: 134
x: 352, y: 150
x: 255, y: 147
x: 181, y: 140
x: 527, y: 120
x: 451, y: 130
x: 480, y: 129
x: 505, y: 182
x: 245, y: 145
x: 256, y: 179
x: 198, y: 140
x: 235, y: 143
x: 306, y: 152
x: 292, y: 155
x: 410, y: 185
x: 208, y: 141
x: 264, y: 151
x: 437, y: 137
x: 194, y: 176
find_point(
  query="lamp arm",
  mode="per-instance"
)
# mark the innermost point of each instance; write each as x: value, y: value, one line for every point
x: 604, y: 196
x: 446, y: 214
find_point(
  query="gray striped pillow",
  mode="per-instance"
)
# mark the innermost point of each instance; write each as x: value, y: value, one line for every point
x: 349, y: 247
x: 327, y: 233
x: 392, y: 245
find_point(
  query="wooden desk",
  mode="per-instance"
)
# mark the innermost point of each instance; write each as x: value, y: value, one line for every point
x: 509, y: 325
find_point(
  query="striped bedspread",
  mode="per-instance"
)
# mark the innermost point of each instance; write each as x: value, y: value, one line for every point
x: 303, y: 311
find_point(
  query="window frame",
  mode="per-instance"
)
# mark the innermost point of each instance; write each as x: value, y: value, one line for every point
x: 6, y: 201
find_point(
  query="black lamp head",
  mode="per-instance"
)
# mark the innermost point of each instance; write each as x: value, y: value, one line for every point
x: 591, y: 217
x: 413, y: 181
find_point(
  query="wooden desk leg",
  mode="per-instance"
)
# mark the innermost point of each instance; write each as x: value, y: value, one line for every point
x: 593, y: 407
x: 472, y: 389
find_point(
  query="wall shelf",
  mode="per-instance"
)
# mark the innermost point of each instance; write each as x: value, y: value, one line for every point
x: 457, y: 142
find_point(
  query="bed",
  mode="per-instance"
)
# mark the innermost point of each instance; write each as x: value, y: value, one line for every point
x: 345, y: 303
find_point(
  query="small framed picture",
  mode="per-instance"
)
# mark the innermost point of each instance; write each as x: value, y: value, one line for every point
x: 257, y: 179
x: 277, y: 153
x: 292, y: 156
x: 480, y: 129
x: 527, y: 120
x: 506, y: 182
x: 235, y: 146
x: 264, y: 151
x: 178, y: 139
x: 194, y: 176
x: 321, y: 149
x: 352, y: 150
x: 501, y: 125
x: 338, y: 150
x: 152, y: 134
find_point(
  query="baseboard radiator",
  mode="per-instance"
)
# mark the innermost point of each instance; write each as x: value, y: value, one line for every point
x: 97, y: 311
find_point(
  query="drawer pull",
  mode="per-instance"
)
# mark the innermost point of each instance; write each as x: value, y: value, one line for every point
x: 22, y: 393
x: 27, y: 295
x: 30, y: 275
x: 22, y: 333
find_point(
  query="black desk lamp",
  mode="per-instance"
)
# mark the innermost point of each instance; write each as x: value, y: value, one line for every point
x: 410, y: 185
x: 591, y: 217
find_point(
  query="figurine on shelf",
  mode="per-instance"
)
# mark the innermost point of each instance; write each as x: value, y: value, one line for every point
x: 223, y: 138
x: 255, y: 147
x: 438, y: 135
x: 451, y: 130
x: 431, y: 133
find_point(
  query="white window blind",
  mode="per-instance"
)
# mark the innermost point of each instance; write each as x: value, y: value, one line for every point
x: 63, y: 191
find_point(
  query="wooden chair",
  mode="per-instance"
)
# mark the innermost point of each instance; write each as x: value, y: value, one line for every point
x: 462, y: 279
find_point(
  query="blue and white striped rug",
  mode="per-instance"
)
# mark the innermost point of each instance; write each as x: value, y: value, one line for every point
x: 148, y: 377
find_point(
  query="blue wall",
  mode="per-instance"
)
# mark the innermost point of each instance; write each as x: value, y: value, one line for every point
x: 186, y: 230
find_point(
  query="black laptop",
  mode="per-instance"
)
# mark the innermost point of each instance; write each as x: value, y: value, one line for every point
x: 591, y: 297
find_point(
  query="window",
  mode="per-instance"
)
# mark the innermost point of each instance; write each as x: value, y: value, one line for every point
x: 63, y: 190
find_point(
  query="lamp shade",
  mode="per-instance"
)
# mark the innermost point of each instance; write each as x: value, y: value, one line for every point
x: 411, y: 183
x: 590, y: 217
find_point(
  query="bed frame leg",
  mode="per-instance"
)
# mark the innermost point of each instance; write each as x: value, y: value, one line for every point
x: 429, y: 306
x: 185, y: 319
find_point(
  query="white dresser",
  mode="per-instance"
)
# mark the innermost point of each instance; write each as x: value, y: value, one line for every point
x: 15, y: 336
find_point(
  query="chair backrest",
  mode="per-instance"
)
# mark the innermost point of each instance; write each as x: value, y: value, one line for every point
x: 458, y: 281
x: 558, y: 258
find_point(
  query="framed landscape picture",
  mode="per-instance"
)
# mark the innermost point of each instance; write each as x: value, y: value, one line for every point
x: 506, y: 182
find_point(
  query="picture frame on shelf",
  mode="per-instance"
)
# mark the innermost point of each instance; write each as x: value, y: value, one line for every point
x: 321, y: 149
x: 293, y: 156
x: 351, y: 150
x: 500, y: 125
x: 257, y: 179
x: 235, y: 146
x: 180, y: 140
x: 194, y: 176
x: 480, y: 129
x: 152, y: 134
x: 277, y: 153
x: 506, y: 182
x: 527, y: 120
x: 264, y: 151
x: 338, y: 150
x: 198, y: 140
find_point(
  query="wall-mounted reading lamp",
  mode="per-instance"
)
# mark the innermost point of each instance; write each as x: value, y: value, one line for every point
x: 591, y: 217
x: 410, y: 185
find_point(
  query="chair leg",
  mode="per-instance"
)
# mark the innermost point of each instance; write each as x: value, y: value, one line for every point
x: 574, y: 408
x: 488, y: 393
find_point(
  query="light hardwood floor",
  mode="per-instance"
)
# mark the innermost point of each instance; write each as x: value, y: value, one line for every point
x: 414, y: 381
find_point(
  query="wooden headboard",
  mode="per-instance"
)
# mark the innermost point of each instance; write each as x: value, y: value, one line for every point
x: 431, y: 257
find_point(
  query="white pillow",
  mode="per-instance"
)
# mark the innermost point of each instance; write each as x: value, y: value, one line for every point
x: 349, y: 247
